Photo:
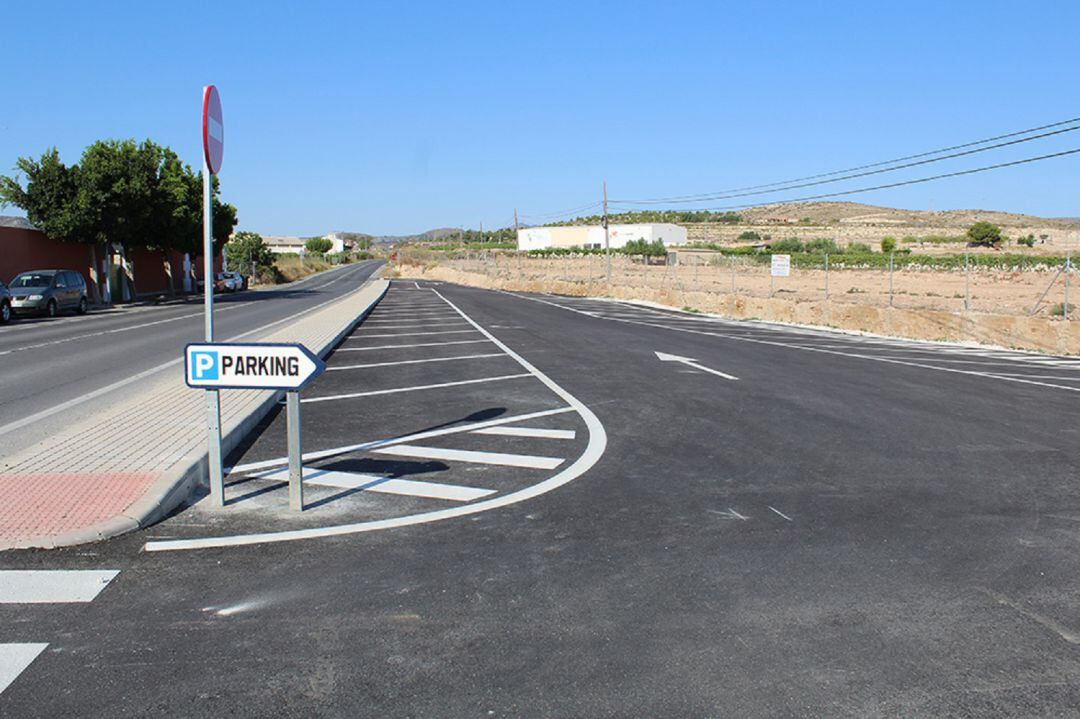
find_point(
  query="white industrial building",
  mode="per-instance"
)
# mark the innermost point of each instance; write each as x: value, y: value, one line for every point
x: 589, y: 236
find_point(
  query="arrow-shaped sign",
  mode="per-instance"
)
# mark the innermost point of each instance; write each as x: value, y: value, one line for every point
x: 265, y: 365
x: 664, y: 357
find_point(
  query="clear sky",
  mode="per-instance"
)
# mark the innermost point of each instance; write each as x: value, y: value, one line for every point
x: 398, y: 117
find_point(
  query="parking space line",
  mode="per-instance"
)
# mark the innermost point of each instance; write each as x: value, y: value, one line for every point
x: 14, y: 659
x: 415, y: 361
x: 33, y: 586
x: 420, y: 344
x: 536, y: 432
x: 382, y: 484
x: 416, y: 388
x: 472, y: 456
x: 412, y: 334
x: 415, y: 437
x: 435, y: 322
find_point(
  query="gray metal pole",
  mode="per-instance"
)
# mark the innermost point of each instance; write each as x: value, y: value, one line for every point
x: 607, y: 236
x: 733, y: 274
x: 296, y: 469
x: 1068, y: 271
x: 890, y: 278
x: 967, y: 282
x: 826, y: 275
x: 213, y: 400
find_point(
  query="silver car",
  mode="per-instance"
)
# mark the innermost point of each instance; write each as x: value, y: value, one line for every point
x: 48, y: 292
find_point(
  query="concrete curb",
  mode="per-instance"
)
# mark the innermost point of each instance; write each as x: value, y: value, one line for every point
x: 176, y: 486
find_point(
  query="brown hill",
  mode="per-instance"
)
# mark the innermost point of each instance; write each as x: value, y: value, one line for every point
x: 857, y: 214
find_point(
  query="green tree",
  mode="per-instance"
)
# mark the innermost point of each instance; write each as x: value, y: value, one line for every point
x: 888, y: 244
x: 318, y: 245
x: 246, y: 248
x: 984, y: 234
x: 749, y: 236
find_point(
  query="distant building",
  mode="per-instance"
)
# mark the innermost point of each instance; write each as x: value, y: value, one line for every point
x: 292, y: 245
x: 592, y: 236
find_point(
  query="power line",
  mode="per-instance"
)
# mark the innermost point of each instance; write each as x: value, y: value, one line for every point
x: 901, y: 184
x: 572, y: 210
x: 706, y: 198
x: 712, y: 195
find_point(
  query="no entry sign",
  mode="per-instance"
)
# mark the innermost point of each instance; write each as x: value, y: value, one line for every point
x: 213, y: 129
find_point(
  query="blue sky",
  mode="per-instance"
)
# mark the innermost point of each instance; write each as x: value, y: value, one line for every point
x: 399, y: 117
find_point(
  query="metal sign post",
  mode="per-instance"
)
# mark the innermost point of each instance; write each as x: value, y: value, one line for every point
x: 213, y: 134
x: 262, y: 365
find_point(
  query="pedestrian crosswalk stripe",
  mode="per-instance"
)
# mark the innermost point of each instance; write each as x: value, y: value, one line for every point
x: 14, y: 659
x: 32, y: 586
x: 463, y: 455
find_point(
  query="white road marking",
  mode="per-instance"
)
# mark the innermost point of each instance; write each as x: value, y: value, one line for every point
x: 14, y: 659
x: 382, y: 484
x: 52, y: 586
x: 780, y: 513
x: 664, y: 357
x: 413, y: 334
x: 427, y: 434
x: 790, y: 345
x: 416, y: 388
x: 729, y: 514
x: 107, y: 389
x: 397, y: 347
x: 537, y: 432
x: 433, y: 322
x: 417, y: 285
x: 593, y: 451
x: 472, y: 456
x: 415, y: 361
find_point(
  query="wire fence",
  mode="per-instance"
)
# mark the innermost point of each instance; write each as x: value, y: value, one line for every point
x: 1040, y: 290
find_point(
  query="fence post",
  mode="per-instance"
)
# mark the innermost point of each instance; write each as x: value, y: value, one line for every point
x: 890, y: 277
x: 1068, y: 271
x: 733, y: 275
x: 967, y: 282
x: 826, y: 275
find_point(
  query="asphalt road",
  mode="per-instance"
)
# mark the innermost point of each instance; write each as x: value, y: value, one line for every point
x: 58, y: 370
x: 852, y: 527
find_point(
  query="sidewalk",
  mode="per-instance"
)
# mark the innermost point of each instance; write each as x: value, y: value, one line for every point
x: 138, y: 460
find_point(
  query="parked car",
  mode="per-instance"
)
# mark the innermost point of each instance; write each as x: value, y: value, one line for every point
x: 235, y: 281
x: 5, y: 304
x: 48, y: 292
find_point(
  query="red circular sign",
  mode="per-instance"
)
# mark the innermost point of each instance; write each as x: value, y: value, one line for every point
x: 213, y: 129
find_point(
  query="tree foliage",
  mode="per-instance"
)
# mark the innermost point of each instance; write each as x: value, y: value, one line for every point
x: 318, y: 245
x: 246, y: 248
x: 120, y: 191
x: 643, y: 247
x: 985, y: 234
x: 888, y: 244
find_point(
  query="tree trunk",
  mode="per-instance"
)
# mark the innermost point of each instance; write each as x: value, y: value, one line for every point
x: 95, y: 275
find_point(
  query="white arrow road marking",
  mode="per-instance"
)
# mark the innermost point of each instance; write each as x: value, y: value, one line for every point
x: 14, y: 658
x: 33, y: 586
x: 664, y: 357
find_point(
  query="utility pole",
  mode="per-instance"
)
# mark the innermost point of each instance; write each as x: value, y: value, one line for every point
x: 607, y: 236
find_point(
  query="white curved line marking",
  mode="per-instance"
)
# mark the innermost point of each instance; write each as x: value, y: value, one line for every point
x: 593, y: 451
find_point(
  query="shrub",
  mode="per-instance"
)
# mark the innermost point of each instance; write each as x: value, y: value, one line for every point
x: 888, y: 244
x: 1028, y: 241
x: 984, y: 234
x: 822, y: 246
x: 750, y: 236
x: 791, y: 244
x: 858, y: 248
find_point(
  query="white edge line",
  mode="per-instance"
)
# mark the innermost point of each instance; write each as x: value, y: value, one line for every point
x: 593, y: 451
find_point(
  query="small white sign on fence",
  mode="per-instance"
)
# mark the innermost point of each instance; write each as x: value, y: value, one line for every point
x: 781, y: 265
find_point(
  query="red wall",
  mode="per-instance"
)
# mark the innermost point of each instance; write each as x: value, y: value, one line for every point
x: 22, y: 250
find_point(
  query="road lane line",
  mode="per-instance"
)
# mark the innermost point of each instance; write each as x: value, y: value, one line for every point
x: 780, y: 513
x: 415, y: 437
x: 382, y: 484
x: 415, y: 361
x: 75, y: 401
x: 34, y: 586
x: 804, y: 348
x: 412, y: 334
x: 14, y: 659
x: 419, y: 344
x: 597, y: 443
x: 472, y: 456
x: 415, y: 388
x: 536, y: 432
